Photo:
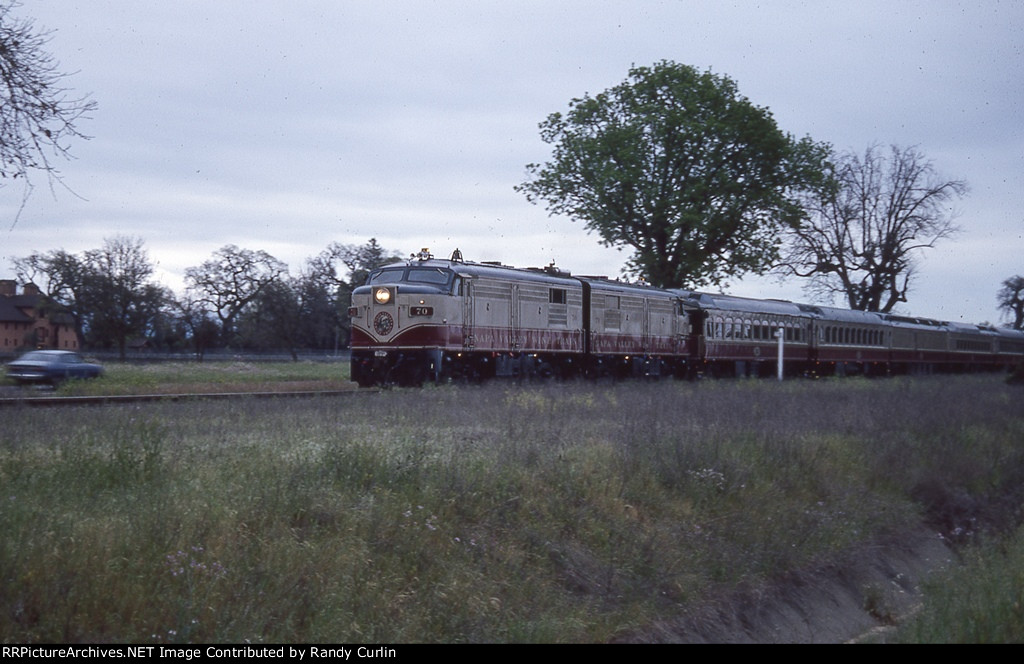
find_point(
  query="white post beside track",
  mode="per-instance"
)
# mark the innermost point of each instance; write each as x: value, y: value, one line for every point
x: 781, y: 334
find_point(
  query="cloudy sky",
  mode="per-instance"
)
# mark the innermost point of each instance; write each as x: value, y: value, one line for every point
x: 284, y: 126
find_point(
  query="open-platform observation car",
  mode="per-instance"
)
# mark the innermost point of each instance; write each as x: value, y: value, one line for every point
x: 449, y: 320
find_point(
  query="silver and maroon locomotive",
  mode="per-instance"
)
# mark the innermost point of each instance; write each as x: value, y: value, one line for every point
x: 432, y: 320
x: 439, y: 320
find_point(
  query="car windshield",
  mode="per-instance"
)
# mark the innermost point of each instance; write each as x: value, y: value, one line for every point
x: 35, y: 357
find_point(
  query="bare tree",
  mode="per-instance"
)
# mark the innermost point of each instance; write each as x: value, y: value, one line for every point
x: 324, y: 273
x: 867, y: 227
x: 198, y: 320
x: 38, y: 115
x: 1011, y: 300
x: 107, y: 291
x: 359, y: 260
x: 62, y: 278
x: 230, y: 281
x: 121, y: 299
x: 275, y: 318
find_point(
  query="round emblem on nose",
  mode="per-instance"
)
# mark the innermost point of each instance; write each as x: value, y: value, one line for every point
x: 383, y: 323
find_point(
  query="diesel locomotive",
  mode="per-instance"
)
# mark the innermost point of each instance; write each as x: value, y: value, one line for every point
x: 434, y: 320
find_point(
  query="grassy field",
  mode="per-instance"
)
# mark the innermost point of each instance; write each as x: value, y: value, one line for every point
x: 981, y: 601
x: 552, y: 513
x: 203, y: 377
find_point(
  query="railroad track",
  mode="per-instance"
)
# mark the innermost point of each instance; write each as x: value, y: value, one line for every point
x: 40, y: 401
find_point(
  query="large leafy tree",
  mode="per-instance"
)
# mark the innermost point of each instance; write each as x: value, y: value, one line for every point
x: 675, y: 164
x: 866, y: 230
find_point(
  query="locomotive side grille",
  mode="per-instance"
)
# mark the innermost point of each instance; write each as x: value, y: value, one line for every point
x: 558, y: 314
x: 530, y: 295
x: 659, y: 307
x: 493, y: 292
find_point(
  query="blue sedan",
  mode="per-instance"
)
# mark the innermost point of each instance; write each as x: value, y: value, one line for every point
x: 51, y: 366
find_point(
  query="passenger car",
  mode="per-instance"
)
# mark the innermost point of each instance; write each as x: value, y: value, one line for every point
x: 51, y: 366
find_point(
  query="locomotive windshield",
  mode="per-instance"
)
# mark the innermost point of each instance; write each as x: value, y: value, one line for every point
x: 415, y: 275
x: 391, y: 275
x: 428, y: 275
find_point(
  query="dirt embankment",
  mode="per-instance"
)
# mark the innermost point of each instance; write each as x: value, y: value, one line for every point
x: 858, y: 597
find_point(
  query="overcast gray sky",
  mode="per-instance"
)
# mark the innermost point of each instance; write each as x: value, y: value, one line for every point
x: 287, y: 125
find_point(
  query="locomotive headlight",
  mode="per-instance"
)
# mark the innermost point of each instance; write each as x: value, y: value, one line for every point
x: 382, y: 295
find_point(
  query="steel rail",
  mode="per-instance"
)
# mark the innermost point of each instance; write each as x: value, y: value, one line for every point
x: 114, y: 399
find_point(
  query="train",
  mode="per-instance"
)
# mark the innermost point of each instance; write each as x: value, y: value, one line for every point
x: 451, y: 320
